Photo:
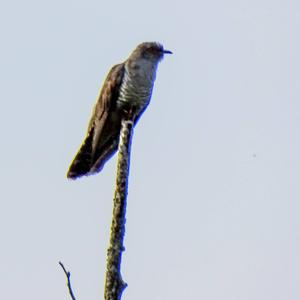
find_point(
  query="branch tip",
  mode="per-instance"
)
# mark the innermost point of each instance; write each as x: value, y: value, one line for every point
x: 68, y: 275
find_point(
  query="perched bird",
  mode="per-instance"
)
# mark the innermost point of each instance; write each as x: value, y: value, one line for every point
x: 127, y: 89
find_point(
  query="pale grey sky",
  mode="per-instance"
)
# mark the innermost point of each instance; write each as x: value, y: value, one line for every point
x: 213, y: 205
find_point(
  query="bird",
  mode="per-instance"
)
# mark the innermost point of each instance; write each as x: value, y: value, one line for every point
x: 126, y: 89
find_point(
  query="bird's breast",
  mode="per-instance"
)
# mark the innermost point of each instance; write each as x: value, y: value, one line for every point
x: 137, y: 85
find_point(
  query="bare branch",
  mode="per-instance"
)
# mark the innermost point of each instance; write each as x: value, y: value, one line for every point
x: 114, y: 285
x: 68, y: 275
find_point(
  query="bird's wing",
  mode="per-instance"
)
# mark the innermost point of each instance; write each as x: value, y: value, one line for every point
x: 106, y: 103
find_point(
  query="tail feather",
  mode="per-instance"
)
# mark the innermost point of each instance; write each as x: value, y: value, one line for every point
x: 82, y: 162
x: 103, y: 155
x: 89, y: 161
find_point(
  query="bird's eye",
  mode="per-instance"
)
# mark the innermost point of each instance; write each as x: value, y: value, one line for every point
x: 154, y: 49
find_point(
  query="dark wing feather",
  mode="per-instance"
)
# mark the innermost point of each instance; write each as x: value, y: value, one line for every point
x: 101, y: 141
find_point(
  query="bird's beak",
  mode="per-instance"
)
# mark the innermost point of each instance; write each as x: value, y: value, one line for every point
x: 167, y: 52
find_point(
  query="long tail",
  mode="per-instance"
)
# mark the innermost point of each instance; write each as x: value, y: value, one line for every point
x: 82, y: 162
x: 89, y: 161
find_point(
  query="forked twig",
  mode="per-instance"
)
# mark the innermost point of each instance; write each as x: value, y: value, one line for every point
x: 68, y: 275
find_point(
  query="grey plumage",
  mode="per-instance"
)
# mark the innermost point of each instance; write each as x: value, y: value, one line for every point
x: 127, y: 88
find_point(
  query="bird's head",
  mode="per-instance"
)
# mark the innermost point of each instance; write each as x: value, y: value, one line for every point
x: 150, y: 50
